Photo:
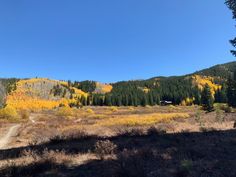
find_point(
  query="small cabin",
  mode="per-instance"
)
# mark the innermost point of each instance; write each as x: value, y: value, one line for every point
x: 165, y: 103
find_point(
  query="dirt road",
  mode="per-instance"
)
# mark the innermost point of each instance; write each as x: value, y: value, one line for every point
x: 5, y: 140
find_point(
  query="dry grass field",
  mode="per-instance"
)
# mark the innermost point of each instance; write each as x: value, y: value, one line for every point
x: 178, y: 141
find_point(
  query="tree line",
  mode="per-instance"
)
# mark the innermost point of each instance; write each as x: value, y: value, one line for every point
x: 174, y: 89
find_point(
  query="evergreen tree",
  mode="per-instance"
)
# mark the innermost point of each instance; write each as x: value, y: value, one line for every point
x: 223, y: 94
x: 101, y: 101
x: 231, y: 91
x: 125, y: 100
x: 83, y: 100
x: 69, y: 83
x: 220, y: 95
x: 135, y: 100
x: 144, y: 101
x: 119, y: 101
x: 150, y: 99
x: 197, y: 99
x: 207, y: 99
x: 95, y: 100
x: 88, y: 100
x: 232, y: 6
x: 107, y: 100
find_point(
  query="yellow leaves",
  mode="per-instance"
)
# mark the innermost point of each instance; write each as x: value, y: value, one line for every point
x: 134, y: 120
x: 79, y: 92
x: 103, y: 88
x: 34, y: 95
x: 8, y: 113
x: 32, y: 104
x: 201, y: 81
x: 187, y: 102
x: 114, y: 109
x: 90, y: 111
x: 146, y: 90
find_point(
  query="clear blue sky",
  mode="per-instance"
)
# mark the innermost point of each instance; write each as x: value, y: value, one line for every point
x: 112, y: 40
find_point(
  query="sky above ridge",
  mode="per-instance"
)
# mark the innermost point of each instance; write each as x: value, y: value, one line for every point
x: 112, y: 40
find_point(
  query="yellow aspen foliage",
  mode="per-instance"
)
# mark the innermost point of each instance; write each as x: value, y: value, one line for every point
x: 187, y: 102
x: 90, y: 111
x: 201, y: 81
x: 103, y: 88
x: 146, y: 90
x: 114, y: 109
x: 34, y: 95
x: 8, y: 113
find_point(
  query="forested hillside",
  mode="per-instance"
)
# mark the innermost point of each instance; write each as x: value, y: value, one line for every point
x: 223, y: 70
x: 185, y: 90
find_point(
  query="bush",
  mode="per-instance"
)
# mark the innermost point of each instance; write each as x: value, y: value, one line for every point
x: 114, y: 109
x: 65, y: 111
x: 103, y: 148
x: 54, y: 156
x: 69, y: 135
x: 154, y: 131
x: 8, y: 113
x: 198, y: 116
x: 227, y: 109
x: 130, y: 132
x: 185, y: 168
x: 24, y: 114
x: 131, y: 108
x: 219, y: 116
x: 90, y: 111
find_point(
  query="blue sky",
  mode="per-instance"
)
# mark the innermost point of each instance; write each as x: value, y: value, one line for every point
x: 112, y: 40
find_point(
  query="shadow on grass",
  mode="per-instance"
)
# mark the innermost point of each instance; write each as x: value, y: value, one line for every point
x: 205, y: 154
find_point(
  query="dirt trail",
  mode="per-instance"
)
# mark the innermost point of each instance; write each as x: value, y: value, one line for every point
x: 32, y: 117
x: 5, y: 140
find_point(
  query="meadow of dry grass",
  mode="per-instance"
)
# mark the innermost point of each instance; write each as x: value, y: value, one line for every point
x: 126, y: 141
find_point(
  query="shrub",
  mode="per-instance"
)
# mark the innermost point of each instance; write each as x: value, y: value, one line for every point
x: 185, y: 168
x: 131, y: 108
x: 114, y: 109
x: 24, y: 114
x: 90, y: 111
x: 198, y: 116
x: 227, y: 109
x: 154, y: 131
x: 130, y: 132
x: 219, y: 117
x: 8, y: 113
x: 103, y: 148
x: 65, y: 111
x: 54, y: 156
x: 205, y: 129
x: 69, y: 135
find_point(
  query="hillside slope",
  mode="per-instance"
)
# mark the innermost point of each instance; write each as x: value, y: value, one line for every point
x: 221, y: 70
x: 40, y: 93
